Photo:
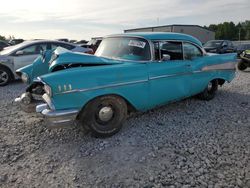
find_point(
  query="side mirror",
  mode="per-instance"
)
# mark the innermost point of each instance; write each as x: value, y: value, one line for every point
x: 224, y: 45
x: 165, y: 57
x: 20, y: 52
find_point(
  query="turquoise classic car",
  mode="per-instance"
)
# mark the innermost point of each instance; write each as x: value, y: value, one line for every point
x: 129, y: 72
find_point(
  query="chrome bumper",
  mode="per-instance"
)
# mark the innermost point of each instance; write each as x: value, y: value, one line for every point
x: 57, y: 118
x: 27, y: 102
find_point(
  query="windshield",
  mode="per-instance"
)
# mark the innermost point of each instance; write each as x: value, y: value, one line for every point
x: 126, y: 48
x: 213, y: 44
x: 10, y: 49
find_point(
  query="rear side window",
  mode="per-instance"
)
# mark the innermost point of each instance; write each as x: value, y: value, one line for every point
x: 173, y: 49
x: 191, y: 51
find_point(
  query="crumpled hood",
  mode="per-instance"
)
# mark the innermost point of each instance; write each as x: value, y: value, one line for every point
x: 63, y: 57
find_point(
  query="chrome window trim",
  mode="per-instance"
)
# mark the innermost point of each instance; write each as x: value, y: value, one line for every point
x: 122, y: 36
x: 182, y: 41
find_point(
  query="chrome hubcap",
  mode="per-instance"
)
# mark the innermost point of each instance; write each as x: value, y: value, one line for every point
x: 209, y: 86
x: 106, y: 113
x: 3, y: 77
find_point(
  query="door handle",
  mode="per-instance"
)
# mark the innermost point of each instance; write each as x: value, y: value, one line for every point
x: 188, y: 65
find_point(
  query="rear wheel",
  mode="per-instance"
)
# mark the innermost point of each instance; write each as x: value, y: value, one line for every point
x: 210, y: 91
x: 104, y: 116
x: 5, y: 76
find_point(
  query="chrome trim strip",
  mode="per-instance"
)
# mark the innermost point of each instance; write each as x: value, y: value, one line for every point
x: 169, y: 75
x: 224, y: 66
x: 103, y: 87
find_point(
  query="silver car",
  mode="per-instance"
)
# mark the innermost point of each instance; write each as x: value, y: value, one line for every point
x: 15, y: 57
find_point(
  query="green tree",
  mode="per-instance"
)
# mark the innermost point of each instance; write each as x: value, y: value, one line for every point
x: 231, y: 31
x: 2, y: 37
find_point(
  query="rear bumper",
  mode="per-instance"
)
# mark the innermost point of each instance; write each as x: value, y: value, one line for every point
x: 57, y: 118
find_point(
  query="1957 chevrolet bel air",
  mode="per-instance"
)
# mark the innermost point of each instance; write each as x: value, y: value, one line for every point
x: 135, y: 71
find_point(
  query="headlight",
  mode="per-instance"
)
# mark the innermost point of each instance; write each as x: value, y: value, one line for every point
x: 25, y: 77
x: 48, y: 90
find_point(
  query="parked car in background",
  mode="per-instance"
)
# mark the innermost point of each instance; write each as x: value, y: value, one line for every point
x: 244, y: 60
x: 3, y: 45
x: 219, y: 46
x: 132, y: 71
x: 25, y: 53
x: 40, y: 66
x: 63, y: 40
x: 15, y: 41
x: 241, y: 48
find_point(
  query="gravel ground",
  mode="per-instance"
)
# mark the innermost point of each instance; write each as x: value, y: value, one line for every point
x: 191, y: 143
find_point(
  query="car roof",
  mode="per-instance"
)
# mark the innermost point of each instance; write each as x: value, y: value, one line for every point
x: 27, y: 42
x: 162, y: 36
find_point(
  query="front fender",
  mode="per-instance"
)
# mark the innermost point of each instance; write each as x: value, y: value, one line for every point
x: 27, y: 70
x: 39, y: 67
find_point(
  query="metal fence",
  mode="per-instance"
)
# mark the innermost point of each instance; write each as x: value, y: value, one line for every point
x: 237, y: 43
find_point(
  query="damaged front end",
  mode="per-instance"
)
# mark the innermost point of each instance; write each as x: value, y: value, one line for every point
x: 32, y: 96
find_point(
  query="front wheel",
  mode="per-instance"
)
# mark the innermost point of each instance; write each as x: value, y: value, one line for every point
x: 210, y: 91
x: 104, y: 116
x: 5, y: 76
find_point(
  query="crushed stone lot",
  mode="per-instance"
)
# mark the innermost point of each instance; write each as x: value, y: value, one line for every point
x: 190, y: 143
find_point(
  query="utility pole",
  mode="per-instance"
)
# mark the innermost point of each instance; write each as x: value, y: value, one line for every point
x: 239, y: 33
x: 158, y: 21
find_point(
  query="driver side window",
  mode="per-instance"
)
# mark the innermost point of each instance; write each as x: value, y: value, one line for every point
x: 191, y: 51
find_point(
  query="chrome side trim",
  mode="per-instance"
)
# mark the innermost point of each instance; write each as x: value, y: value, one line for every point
x: 103, y: 87
x: 224, y: 66
x: 169, y: 75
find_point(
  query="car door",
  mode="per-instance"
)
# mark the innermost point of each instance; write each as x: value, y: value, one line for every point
x: 195, y: 59
x: 168, y: 74
x: 27, y: 55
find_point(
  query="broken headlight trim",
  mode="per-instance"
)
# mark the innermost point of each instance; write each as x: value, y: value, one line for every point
x: 47, y: 90
x: 24, y: 77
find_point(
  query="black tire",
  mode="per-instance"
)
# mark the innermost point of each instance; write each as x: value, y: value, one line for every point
x: 5, y: 76
x: 210, y: 91
x: 104, y: 116
x: 242, y: 65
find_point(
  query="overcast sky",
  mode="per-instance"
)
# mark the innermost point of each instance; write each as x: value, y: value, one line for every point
x: 83, y: 19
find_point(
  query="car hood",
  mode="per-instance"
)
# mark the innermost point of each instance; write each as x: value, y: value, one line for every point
x: 65, y: 57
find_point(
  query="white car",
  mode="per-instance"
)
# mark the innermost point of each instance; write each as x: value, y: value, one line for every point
x: 15, y: 57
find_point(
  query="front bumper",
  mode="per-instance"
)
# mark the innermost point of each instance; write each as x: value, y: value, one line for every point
x: 27, y: 102
x: 57, y: 118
